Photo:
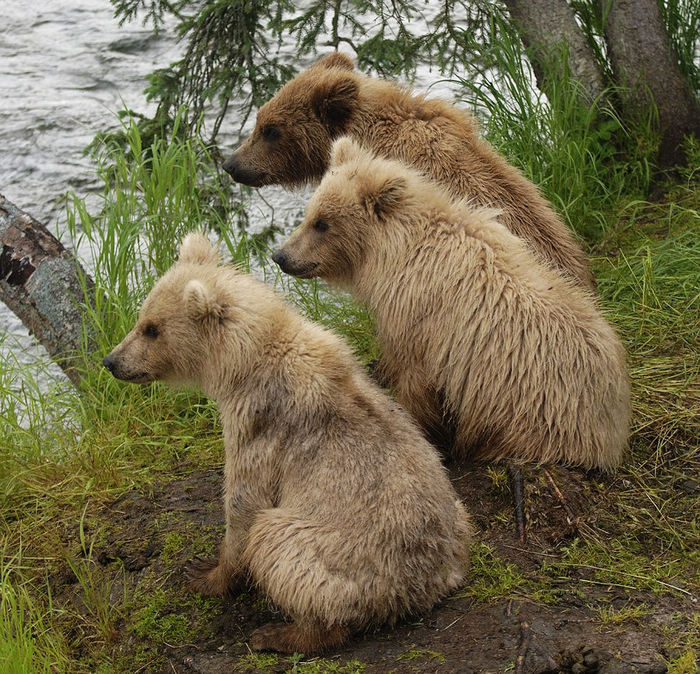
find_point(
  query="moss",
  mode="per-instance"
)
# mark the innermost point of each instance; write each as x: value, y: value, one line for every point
x: 684, y: 664
x: 141, y: 658
x: 324, y: 666
x: 682, y: 636
x: 172, y: 547
x: 491, y: 578
x: 415, y: 653
x: 206, y: 539
x: 168, y: 617
x: 258, y: 661
x: 624, y: 564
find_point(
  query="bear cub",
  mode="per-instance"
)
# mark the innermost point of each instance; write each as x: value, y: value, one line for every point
x: 483, y: 344
x: 336, y: 506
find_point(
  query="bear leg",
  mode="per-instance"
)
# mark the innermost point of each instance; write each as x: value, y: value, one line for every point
x: 298, y: 638
x: 210, y: 577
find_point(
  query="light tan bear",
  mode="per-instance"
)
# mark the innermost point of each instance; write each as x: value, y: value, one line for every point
x: 294, y: 131
x: 476, y: 334
x: 335, y: 504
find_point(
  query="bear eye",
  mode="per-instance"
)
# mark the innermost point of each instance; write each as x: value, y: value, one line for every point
x: 150, y: 331
x: 271, y: 132
x: 321, y: 226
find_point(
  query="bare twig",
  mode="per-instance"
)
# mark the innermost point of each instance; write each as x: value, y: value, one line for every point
x: 454, y: 622
x: 525, y: 636
x: 570, y: 517
x: 516, y: 477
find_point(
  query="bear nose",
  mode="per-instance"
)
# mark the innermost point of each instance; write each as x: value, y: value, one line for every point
x: 280, y: 259
x: 108, y: 362
x: 231, y: 165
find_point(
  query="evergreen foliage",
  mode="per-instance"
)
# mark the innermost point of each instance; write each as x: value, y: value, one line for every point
x: 233, y: 47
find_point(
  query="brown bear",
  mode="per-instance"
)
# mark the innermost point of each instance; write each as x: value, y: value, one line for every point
x: 291, y: 144
x: 477, y: 335
x: 335, y: 504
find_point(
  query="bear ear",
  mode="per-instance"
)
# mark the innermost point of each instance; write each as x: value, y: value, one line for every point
x: 333, y: 101
x: 344, y: 150
x: 335, y: 60
x: 385, y: 198
x: 200, y: 302
x: 196, y: 249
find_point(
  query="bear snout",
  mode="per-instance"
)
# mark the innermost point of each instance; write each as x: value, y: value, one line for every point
x: 117, y: 367
x: 293, y: 267
x: 246, y: 176
x: 109, y: 362
x: 280, y: 259
x: 231, y: 164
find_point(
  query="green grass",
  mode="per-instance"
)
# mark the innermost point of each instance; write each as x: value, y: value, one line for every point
x: 28, y: 645
x: 611, y: 617
x: 491, y: 577
x: 415, y: 653
x: 684, y: 664
x: 302, y: 665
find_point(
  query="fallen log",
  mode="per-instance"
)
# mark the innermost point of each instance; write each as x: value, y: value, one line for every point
x: 43, y: 283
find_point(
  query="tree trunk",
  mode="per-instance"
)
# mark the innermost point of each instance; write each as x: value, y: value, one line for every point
x: 544, y: 26
x: 44, y: 285
x: 643, y: 63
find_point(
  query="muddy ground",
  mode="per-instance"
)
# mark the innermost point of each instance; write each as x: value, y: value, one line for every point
x: 514, y: 614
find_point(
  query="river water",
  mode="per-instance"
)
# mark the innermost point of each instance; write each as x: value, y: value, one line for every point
x: 66, y: 68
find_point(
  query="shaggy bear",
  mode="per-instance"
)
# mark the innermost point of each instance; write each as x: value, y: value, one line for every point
x: 294, y: 131
x: 478, y: 337
x: 335, y: 504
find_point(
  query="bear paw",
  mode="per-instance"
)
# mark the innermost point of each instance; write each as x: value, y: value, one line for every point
x: 293, y: 638
x: 206, y: 577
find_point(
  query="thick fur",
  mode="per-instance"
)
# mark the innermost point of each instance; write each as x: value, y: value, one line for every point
x: 478, y: 337
x: 294, y: 131
x: 335, y: 503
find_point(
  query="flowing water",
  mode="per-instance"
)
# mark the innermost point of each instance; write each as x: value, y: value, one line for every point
x: 66, y: 68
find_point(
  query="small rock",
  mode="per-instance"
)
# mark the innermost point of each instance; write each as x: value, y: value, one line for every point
x: 591, y: 660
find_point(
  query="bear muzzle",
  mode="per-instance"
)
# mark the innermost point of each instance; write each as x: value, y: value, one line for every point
x: 113, y: 365
x: 109, y: 362
x: 289, y: 266
x: 242, y: 174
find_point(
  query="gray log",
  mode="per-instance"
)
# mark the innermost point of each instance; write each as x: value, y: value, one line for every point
x: 44, y: 285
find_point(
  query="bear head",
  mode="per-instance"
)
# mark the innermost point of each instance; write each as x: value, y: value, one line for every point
x: 293, y: 133
x: 346, y: 216
x: 187, y: 316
